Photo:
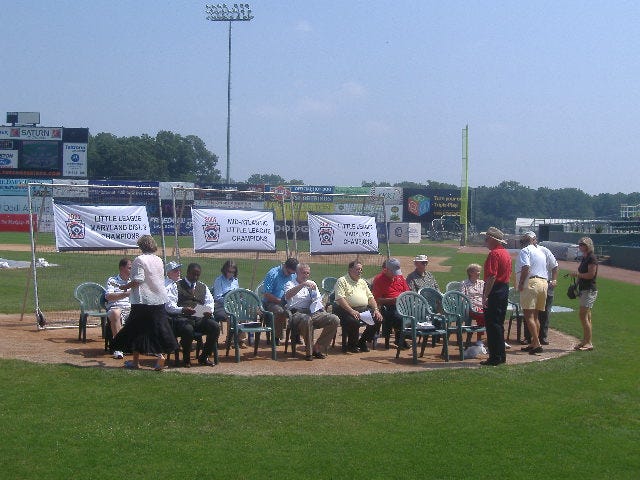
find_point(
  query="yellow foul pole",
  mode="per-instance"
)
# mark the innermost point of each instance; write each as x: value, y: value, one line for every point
x: 464, y: 185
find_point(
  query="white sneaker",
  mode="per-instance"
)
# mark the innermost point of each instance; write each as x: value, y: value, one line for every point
x: 507, y: 346
x: 118, y: 355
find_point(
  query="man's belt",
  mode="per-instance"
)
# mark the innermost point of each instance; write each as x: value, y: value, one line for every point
x: 301, y: 310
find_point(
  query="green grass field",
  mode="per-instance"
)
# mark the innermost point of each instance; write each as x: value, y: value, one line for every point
x: 572, y: 417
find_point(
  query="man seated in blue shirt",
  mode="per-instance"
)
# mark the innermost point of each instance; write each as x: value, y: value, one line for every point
x: 273, y: 297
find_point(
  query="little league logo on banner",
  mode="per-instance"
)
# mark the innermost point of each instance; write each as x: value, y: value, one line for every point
x: 92, y: 227
x: 335, y: 233
x: 233, y: 230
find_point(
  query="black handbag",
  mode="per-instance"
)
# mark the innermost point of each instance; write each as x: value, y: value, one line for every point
x: 572, y: 291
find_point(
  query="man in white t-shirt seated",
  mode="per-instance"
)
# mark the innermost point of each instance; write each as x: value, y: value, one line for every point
x: 305, y: 303
x: 118, y: 305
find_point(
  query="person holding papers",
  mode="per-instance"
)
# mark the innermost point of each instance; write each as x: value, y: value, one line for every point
x: 305, y: 303
x: 353, y: 298
x: 192, y: 304
x: 387, y: 286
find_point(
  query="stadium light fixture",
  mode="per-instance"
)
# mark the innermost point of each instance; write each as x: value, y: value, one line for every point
x: 221, y: 13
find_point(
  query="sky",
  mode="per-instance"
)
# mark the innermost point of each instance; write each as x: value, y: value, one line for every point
x: 337, y: 92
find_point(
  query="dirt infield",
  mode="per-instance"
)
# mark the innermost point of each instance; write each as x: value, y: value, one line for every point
x: 21, y: 340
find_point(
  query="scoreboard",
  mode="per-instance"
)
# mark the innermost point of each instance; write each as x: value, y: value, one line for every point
x: 50, y: 152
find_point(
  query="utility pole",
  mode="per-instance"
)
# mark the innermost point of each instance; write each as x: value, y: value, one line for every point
x: 221, y: 13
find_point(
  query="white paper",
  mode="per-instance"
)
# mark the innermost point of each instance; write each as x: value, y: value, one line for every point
x: 367, y: 318
x: 316, y: 305
x: 424, y: 325
x: 201, y: 310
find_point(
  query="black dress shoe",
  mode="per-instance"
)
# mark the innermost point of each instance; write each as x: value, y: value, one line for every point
x: 536, y: 351
x: 308, y: 358
x: 363, y: 346
x: 490, y: 363
x: 319, y: 355
x: 353, y: 350
x: 544, y: 341
x: 206, y: 362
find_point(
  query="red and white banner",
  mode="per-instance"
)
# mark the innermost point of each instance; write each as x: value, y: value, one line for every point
x: 99, y: 227
x: 342, y: 234
x: 15, y: 222
x: 233, y: 230
x: 31, y: 133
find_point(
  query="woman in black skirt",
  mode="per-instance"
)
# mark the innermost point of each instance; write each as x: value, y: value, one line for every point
x: 147, y: 329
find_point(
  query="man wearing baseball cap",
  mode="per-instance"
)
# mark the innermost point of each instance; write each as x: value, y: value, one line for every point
x: 532, y: 283
x: 387, y: 286
x: 497, y: 272
x: 421, y: 277
x: 172, y: 269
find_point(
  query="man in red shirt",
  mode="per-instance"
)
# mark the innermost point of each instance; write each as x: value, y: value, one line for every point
x: 497, y: 272
x: 387, y: 286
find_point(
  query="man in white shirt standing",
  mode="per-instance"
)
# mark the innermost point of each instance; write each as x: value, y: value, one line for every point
x: 552, y: 275
x: 532, y: 283
x: 304, y: 301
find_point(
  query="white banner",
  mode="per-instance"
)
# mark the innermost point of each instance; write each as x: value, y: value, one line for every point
x: 233, y: 230
x: 392, y: 195
x: 231, y: 204
x: 93, y: 227
x: 166, y: 191
x: 77, y: 188
x: 8, y: 158
x: 342, y: 234
x: 74, y: 160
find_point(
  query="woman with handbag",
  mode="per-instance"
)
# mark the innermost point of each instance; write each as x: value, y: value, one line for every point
x: 588, y: 292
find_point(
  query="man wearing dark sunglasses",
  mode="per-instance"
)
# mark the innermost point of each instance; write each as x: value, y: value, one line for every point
x: 273, y: 297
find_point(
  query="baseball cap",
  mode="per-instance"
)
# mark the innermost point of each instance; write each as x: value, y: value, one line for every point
x: 171, y: 266
x: 528, y: 235
x: 421, y: 258
x: 393, y: 265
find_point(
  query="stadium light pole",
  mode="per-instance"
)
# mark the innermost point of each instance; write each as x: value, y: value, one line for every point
x: 221, y: 13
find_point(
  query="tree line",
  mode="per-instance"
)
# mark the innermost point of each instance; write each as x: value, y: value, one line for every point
x: 172, y: 157
x: 167, y: 157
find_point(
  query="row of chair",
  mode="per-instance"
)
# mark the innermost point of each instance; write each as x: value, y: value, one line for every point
x: 91, y: 297
x: 447, y: 314
x: 429, y: 313
x: 514, y: 306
